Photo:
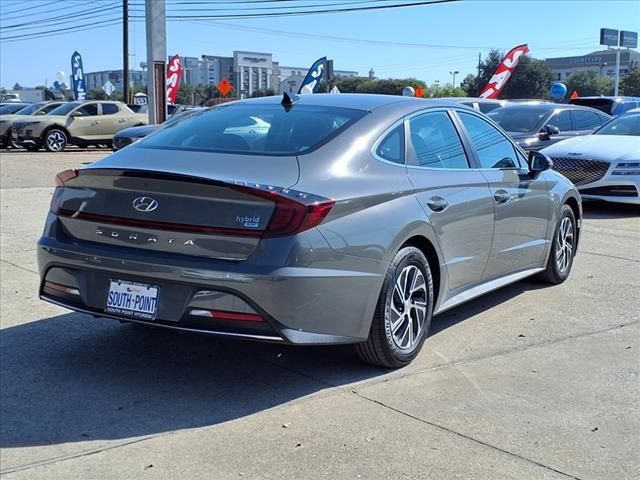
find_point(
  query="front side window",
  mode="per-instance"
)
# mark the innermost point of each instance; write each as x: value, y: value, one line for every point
x: 628, y: 124
x: 48, y: 108
x: 435, y: 142
x: 391, y: 148
x: 88, y: 110
x: 493, y: 149
x: 562, y: 120
x: 585, y: 120
x: 109, y: 108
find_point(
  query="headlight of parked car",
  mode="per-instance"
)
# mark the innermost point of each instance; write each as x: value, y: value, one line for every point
x: 627, y: 168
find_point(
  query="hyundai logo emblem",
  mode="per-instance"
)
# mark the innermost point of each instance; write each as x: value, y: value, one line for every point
x: 145, y: 204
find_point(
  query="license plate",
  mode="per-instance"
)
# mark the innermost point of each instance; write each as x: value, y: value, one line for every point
x: 132, y: 299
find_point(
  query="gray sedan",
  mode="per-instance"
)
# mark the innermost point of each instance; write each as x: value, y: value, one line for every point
x: 347, y: 219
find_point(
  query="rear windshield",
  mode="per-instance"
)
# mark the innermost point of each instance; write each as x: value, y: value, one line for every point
x: 628, y: 124
x: 521, y: 119
x: 255, y: 129
x: 603, y: 104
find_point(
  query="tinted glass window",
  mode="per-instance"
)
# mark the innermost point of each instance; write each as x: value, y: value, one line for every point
x: 48, y: 108
x: 109, y: 108
x: 64, y: 109
x: 494, y: 150
x: 519, y: 118
x: 29, y: 109
x: 88, y: 110
x: 628, y: 124
x: 436, y: 142
x: 622, y: 107
x: 256, y: 129
x: 586, y: 120
x: 562, y: 120
x: 10, y: 109
x: 488, y: 107
x: 391, y: 148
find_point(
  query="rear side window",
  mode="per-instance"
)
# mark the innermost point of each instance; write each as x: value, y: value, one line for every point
x: 585, y: 120
x: 88, y: 110
x: 493, y: 149
x: 109, y: 108
x: 391, y: 148
x: 48, y: 108
x: 435, y: 142
x: 562, y: 120
x: 260, y: 129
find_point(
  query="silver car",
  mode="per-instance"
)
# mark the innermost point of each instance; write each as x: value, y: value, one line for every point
x: 353, y: 219
x: 606, y: 165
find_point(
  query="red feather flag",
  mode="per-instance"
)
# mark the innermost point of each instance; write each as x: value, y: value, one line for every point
x: 174, y: 73
x: 504, y: 71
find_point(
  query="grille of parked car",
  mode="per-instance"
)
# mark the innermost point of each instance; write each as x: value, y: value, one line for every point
x: 580, y: 171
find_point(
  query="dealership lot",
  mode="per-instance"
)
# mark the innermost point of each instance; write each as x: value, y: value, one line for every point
x: 529, y: 382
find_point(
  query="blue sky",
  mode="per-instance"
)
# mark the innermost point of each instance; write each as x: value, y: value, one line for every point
x: 551, y: 28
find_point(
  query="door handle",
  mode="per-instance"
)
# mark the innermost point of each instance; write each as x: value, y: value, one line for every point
x: 95, y: 122
x: 121, y: 120
x: 501, y: 196
x: 437, y: 204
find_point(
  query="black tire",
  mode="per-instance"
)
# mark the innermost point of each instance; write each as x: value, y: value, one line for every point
x: 55, y: 140
x: 558, y: 271
x: 383, y: 348
x: 10, y: 142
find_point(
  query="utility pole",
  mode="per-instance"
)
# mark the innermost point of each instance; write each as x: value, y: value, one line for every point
x: 454, y: 73
x: 156, y: 28
x: 125, y: 50
x: 617, y: 83
x: 478, y: 77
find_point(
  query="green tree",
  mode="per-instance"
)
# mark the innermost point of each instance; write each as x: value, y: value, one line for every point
x: 185, y: 95
x: 389, y: 86
x: 531, y: 79
x: 96, y: 94
x: 589, y: 83
x: 437, y: 91
x: 630, y: 83
x: 269, y: 92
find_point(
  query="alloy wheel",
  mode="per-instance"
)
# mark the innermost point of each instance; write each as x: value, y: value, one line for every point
x: 564, y: 245
x: 408, y: 308
x: 56, y: 141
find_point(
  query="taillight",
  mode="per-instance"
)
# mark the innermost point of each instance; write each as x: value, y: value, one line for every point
x: 294, y: 211
x: 61, y: 179
x: 65, y: 176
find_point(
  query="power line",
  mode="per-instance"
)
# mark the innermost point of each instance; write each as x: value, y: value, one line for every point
x: 60, y: 18
x: 62, y: 31
x: 4, y: 14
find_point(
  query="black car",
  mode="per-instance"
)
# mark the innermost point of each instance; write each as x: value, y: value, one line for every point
x: 130, y: 135
x: 609, y: 105
x: 535, y: 125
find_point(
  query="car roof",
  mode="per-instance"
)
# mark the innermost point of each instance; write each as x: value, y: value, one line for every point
x: 613, y: 99
x: 548, y: 106
x: 474, y: 100
x: 356, y: 101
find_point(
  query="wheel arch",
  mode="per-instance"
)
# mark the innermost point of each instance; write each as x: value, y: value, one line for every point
x: 57, y: 127
x: 429, y: 250
x: 575, y: 206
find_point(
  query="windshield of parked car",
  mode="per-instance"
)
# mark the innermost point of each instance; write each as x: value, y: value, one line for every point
x: 628, y: 124
x: 65, y: 109
x: 11, y: 109
x: 256, y: 129
x: 28, y: 110
x: 521, y: 118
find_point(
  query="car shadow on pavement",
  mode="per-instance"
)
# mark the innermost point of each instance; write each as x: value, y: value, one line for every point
x: 72, y: 378
x: 606, y: 210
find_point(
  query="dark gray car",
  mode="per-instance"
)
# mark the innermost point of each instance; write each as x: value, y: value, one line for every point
x: 536, y: 125
x: 346, y: 219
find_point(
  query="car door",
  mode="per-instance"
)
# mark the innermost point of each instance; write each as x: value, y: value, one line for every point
x: 455, y: 197
x: 520, y: 200
x: 113, y: 120
x: 561, y: 119
x: 84, y: 122
x: 586, y: 121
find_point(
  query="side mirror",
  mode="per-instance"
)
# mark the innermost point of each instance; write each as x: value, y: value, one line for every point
x: 75, y: 114
x: 551, y: 130
x: 539, y: 162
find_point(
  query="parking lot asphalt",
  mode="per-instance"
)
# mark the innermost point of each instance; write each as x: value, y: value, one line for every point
x: 529, y: 382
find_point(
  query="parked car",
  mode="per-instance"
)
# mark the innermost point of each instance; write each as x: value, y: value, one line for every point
x: 484, y: 105
x: 79, y: 123
x: 609, y: 105
x: 171, y: 109
x: 354, y: 221
x: 6, y: 121
x: 535, y: 125
x: 130, y: 135
x: 606, y: 165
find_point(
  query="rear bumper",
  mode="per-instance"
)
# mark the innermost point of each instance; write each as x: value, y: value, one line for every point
x: 318, y: 303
